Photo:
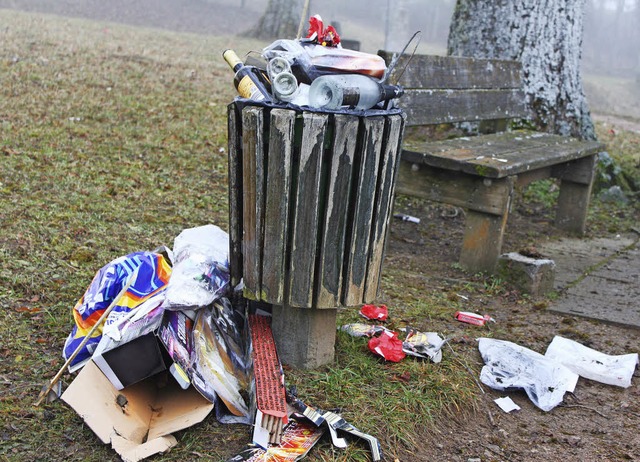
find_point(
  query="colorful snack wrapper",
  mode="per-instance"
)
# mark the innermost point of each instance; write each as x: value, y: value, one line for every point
x: 152, y: 273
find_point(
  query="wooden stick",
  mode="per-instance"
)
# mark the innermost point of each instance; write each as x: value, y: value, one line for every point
x: 305, y: 12
x: 56, y: 377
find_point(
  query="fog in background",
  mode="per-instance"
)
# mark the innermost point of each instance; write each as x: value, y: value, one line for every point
x: 611, y: 42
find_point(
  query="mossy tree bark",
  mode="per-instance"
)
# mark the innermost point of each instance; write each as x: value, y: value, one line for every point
x: 280, y: 20
x: 546, y: 36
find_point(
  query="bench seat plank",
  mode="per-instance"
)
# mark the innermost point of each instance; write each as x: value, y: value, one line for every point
x: 500, y: 154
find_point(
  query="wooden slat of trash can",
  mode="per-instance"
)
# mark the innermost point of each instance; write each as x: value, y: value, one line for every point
x: 276, y: 218
x: 390, y: 156
x: 316, y: 200
x: 365, y: 182
x: 331, y: 252
x: 306, y: 210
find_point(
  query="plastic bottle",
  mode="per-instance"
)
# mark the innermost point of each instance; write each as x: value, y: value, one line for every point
x: 246, y: 80
x: 352, y: 90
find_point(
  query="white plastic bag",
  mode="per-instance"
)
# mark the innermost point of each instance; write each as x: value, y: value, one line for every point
x: 592, y: 364
x: 200, y: 268
x: 509, y: 366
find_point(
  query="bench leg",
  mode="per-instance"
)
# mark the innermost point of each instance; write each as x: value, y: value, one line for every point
x: 573, y: 204
x: 305, y: 337
x: 576, y: 182
x: 482, y: 242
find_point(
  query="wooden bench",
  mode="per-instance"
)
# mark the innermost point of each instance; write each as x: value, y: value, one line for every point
x: 480, y: 173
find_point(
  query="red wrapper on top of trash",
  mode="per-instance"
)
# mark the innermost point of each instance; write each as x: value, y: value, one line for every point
x: 473, y: 318
x: 375, y: 312
x: 317, y: 33
x: 388, y: 345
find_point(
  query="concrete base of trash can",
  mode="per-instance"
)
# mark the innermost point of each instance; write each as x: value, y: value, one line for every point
x: 305, y: 337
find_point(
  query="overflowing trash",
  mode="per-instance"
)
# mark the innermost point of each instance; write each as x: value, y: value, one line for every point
x: 148, y: 273
x: 506, y: 404
x: 592, y: 364
x: 161, y: 340
x: 423, y: 344
x: 387, y: 345
x: 546, y: 378
x: 315, y: 72
x: 405, y: 217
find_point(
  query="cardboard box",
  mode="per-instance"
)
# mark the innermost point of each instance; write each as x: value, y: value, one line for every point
x: 136, y: 360
x: 139, y: 419
x: 131, y: 352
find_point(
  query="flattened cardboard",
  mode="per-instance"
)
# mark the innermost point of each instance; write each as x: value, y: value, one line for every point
x: 151, y: 412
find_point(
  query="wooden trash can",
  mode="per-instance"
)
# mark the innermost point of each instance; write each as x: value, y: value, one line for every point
x: 310, y: 199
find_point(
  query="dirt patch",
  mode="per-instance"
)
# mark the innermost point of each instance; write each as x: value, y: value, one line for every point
x: 596, y: 423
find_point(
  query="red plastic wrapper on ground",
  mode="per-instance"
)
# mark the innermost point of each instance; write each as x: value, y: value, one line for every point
x: 388, y: 345
x: 375, y: 312
x: 473, y: 318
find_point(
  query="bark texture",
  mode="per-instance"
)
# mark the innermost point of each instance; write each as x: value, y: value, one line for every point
x: 280, y: 20
x: 546, y: 36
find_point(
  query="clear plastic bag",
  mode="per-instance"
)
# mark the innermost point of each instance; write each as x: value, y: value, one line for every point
x: 309, y: 60
x: 200, y: 268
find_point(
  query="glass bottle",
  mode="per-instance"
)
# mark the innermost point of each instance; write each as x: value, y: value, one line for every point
x: 350, y: 90
x: 246, y: 80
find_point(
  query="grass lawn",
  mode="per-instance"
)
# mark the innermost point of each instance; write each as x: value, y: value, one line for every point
x: 113, y: 140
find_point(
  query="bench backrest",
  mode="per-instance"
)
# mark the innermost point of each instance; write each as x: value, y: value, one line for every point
x: 444, y: 89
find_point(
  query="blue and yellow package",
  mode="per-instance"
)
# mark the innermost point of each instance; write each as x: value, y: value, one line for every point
x: 152, y: 272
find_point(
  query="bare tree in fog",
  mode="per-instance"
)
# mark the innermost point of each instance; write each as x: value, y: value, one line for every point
x: 546, y: 36
x: 280, y: 20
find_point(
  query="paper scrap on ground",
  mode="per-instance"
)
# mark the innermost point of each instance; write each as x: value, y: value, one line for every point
x: 508, y: 365
x: 592, y: 364
x: 506, y: 404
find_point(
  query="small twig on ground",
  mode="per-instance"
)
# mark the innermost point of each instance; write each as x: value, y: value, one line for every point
x: 585, y: 407
x: 493, y: 423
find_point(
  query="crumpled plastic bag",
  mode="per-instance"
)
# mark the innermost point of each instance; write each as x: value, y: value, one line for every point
x: 151, y: 272
x: 510, y: 366
x: 375, y: 312
x: 200, y: 268
x: 592, y: 364
x: 387, y: 345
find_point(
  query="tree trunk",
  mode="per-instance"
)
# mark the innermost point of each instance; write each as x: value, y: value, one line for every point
x: 546, y: 36
x: 280, y: 20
